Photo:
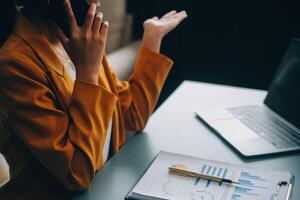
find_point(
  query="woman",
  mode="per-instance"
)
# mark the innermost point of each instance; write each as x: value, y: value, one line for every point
x: 67, y: 107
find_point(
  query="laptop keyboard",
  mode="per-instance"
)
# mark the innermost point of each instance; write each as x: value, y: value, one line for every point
x: 261, y: 120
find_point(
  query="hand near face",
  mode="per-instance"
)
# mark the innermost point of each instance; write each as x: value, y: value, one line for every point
x: 86, y: 44
x: 159, y: 27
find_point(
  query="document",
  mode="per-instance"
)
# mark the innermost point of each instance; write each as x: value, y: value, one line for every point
x: 254, y: 184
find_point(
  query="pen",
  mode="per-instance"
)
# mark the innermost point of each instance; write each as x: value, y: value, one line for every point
x: 183, y: 172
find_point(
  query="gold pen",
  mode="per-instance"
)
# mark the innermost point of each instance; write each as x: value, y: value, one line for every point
x: 183, y: 172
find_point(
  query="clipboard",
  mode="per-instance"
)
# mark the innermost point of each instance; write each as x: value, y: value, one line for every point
x: 282, y: 191
x: 128, y: 195
x: 290, y: 185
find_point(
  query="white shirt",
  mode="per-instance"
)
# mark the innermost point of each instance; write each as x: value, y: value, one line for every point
x: 71, y: 71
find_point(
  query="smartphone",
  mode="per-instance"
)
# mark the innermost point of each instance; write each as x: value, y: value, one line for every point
x: 60, y: 17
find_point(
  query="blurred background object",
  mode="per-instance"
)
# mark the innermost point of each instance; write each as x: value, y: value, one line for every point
x: 120, y: 30
x: 122, y: 50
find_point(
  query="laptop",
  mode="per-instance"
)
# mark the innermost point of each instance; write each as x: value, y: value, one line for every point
x: 270, y: 127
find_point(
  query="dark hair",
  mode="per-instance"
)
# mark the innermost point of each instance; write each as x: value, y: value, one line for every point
x: 32, y: 9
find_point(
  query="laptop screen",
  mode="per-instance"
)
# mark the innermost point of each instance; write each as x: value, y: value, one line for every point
x: 284, y: 93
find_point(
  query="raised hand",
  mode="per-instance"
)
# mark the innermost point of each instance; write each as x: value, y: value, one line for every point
x: 156, y: 28
x: 162, y: 26
x: 86, y: 44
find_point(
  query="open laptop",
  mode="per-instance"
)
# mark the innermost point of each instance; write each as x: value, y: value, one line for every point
x: 274, y: 125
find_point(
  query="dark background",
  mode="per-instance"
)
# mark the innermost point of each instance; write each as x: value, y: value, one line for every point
x: 233, y: 42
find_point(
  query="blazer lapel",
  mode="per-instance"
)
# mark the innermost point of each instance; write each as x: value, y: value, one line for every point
x: 58, y: 78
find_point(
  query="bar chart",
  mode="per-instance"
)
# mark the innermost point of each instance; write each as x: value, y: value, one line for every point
x: 211, y: 190
x: 214, y: 171
x: 250, y: 187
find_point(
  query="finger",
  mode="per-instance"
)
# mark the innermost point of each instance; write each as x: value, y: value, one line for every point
x: 97, y: 22
x: 181, y: 18
x: 98, y: 6
x: 170, y: 14
x: 181, y: 14
x: 103, y: 31
x: 71, y: 16
x: 90, y: 17
x: 155, y: 18
x: 62, y: 38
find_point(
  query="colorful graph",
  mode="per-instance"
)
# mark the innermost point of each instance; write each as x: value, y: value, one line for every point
x: 214, y: 171
x: 250, y: 186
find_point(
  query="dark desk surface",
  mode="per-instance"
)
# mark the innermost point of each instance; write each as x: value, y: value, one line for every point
x: 173, y: 127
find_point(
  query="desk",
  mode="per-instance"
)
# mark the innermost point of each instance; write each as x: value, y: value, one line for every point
x: 174, y: 127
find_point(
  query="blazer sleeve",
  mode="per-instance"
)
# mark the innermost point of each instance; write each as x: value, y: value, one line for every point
x: 138, y: 95
x: 68, y: 144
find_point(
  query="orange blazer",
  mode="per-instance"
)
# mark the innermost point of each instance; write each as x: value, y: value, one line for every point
x: 59, y: 126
